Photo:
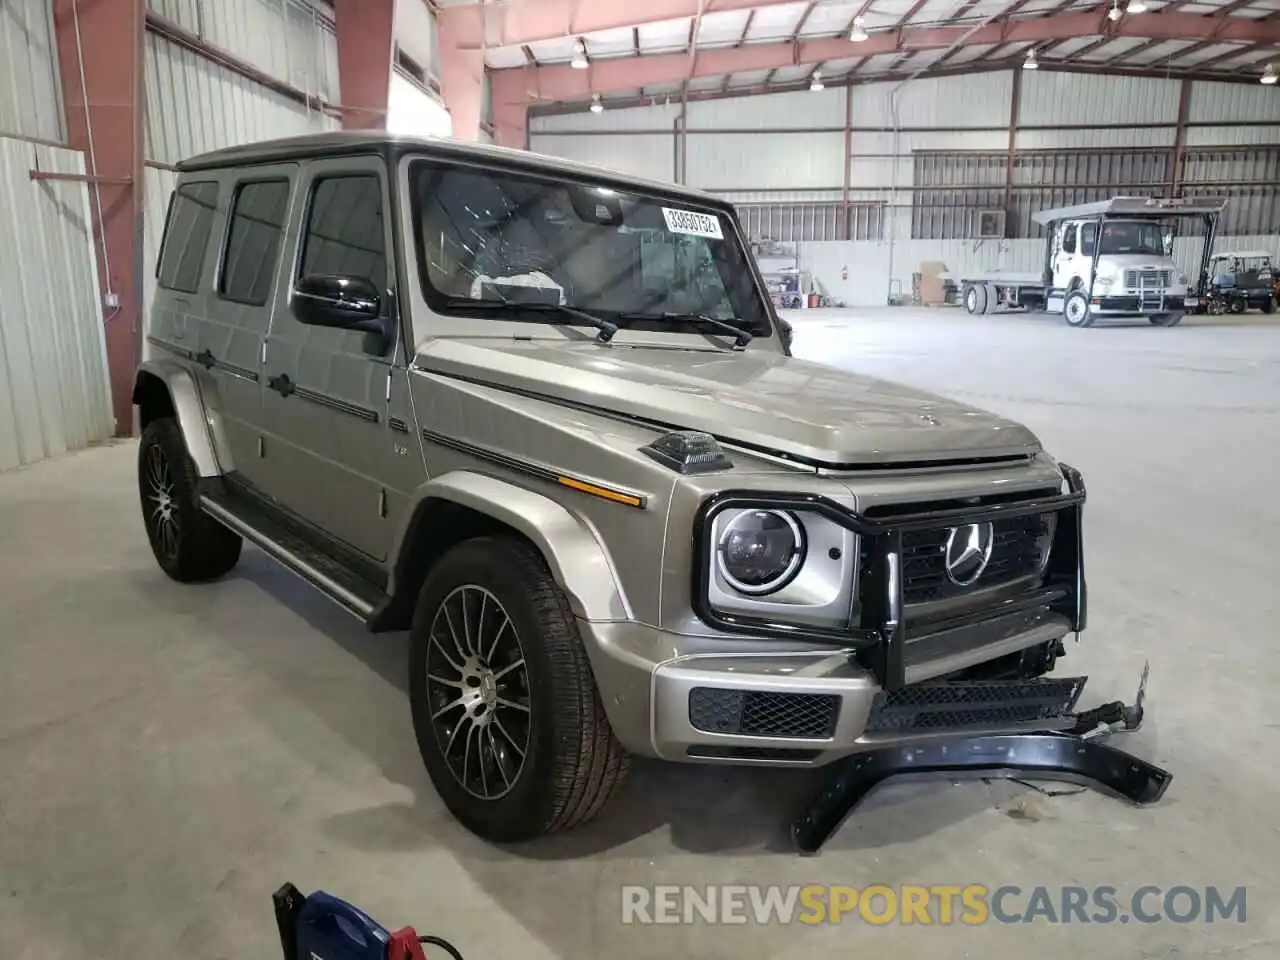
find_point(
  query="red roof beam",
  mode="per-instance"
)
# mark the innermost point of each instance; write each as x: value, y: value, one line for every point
x: 561, y: 82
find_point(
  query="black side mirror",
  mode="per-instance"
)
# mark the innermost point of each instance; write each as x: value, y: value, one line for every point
x: 346, y: 303
x: 349, y: 303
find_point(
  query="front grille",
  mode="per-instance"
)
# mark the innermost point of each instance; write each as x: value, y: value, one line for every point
x: 968, y: 704
x: 1134, y: 279
x: 763, y: 714
x: 1019, y: 547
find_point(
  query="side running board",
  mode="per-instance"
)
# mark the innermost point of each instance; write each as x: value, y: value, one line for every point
x: 350, y: 591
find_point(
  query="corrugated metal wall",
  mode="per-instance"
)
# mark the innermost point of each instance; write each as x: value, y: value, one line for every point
x: 194, y: 105
x: 54, y: 391
x: 30, y: 105
x: 290, y: 40
x: 920, y: 190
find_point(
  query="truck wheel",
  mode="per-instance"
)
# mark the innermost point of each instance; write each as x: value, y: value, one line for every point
x: 189, y: 545
x: 1238, y: 306
x: 1076, y: 310
x: 991, y: 297
x: 1166, y: 319
x: 505, y: 707
x: 1269, y: 305
x: 975, y: 299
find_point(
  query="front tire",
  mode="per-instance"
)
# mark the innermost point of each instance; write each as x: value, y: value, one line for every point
x: 508, y: 719
x: 975, y: 299
x: 188, y: 544
x: 1076, y: 309
x: 1166, y: 319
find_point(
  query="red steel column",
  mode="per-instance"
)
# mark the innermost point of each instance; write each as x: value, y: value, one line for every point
x: 461, y: 78
x: 100, y: 67
x: 510, y: 108
x: 366, y: 47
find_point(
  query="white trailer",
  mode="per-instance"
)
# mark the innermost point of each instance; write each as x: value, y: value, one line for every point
x: 1112, y: 258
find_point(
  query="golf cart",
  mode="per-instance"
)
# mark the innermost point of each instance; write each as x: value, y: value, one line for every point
x: 1241, y: 280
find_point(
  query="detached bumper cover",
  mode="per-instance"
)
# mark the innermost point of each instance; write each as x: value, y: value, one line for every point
x: 1039, y: 756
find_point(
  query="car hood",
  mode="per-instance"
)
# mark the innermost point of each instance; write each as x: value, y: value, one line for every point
x: 756, y: 398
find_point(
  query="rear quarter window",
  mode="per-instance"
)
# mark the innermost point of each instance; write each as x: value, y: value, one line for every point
x: 186, y: 236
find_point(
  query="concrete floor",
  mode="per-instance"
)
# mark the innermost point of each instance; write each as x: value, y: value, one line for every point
x: 170, y: 755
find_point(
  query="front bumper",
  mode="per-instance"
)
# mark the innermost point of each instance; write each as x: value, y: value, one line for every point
x: 771, y: 698
x: 1133, y: 304
x: 798, y: 708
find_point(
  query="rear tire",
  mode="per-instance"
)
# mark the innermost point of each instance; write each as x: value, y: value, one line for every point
x: 1076, y: 310
x: 189, y: 545
x: 1166, y: 319
x: 546, y: 758
x: 1269, y: 305
x: 1239, y: 306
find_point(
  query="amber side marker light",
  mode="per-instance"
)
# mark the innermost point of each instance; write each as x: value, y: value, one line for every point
x: 629, y: 499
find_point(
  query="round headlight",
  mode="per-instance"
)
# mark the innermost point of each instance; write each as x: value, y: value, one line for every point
x: 760, y: 551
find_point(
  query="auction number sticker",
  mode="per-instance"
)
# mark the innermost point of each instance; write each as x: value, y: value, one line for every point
x: 693, y: 224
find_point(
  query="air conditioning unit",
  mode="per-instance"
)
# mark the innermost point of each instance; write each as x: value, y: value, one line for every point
x: 990, y: 225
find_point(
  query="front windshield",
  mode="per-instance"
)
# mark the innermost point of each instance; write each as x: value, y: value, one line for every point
x: 1132, y: 236
x: 487, y: 235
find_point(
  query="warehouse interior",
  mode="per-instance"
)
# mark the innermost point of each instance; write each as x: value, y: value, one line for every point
x: 170, y: 755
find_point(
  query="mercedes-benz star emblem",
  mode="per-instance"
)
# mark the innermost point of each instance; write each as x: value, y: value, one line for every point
x: 968, y: 553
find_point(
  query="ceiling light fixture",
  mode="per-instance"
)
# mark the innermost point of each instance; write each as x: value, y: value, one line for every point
x: 1269, y: 76
x: 1031, y: 63
x: 596, y: 105
x: 579, y: 61
x: 857, y: 34
x: 1136, y: 6
x: 1115, y: 13
x: 816, y: 83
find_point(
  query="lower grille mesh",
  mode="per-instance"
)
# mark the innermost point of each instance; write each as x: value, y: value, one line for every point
x: 763, y: 714
x: 934, y: 706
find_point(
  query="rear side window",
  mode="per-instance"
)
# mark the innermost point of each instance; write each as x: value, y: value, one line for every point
x: 253, y: 241
x: 344, y: 232
x: 186, y: 236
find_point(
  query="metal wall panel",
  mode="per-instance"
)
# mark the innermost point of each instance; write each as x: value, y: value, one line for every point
x: 1233, y: 103
x: 751, y: 161
x: 1049, y: 98
x: 291, y: 40
x: 30, y: 101
x: 802, y: 108
x: 54, y: 390
x: 1108, y: 138
x: 936, y: 102
x: 649, y: 155
x: 1233, y: 136
x: 194, y: 105
x: 777, y: 196
x: 661, y: 116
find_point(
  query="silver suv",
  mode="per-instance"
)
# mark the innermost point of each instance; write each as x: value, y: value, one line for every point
x: 542, y: 416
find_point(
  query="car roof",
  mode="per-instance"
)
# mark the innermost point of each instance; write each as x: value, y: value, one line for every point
x: 393, y: 146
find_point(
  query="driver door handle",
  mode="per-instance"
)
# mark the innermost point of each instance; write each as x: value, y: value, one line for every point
x: 281, y: 384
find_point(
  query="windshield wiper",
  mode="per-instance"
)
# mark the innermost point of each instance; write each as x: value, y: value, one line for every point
x: 741, y: 336
x: 607, y: 329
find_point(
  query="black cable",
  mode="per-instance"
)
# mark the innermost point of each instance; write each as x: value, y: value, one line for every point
x: 444, y: 945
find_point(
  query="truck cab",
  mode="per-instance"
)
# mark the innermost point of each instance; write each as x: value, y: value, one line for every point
x: 1125, y: 263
